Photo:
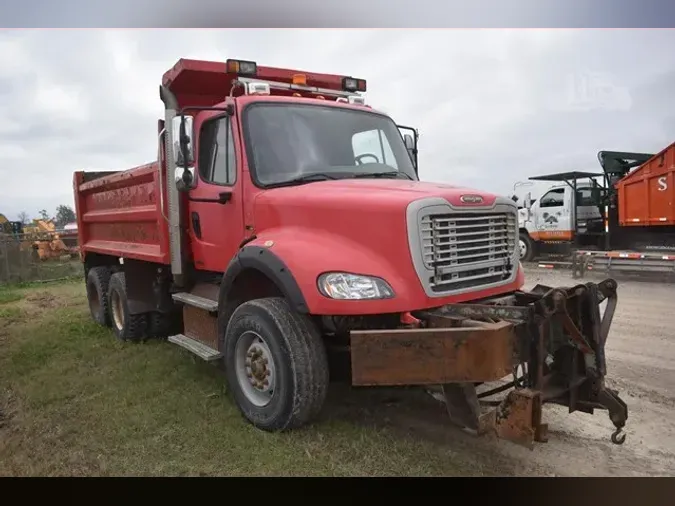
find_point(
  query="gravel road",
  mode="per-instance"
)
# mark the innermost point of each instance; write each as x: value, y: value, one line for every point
x: 641, y: 365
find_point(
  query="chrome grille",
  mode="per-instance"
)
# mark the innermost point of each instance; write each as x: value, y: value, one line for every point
x: 468, y: 250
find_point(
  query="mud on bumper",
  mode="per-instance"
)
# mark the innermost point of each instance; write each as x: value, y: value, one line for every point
x: 550, y: 340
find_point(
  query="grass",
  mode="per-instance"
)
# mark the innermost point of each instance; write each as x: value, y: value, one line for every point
x: 75, y: 401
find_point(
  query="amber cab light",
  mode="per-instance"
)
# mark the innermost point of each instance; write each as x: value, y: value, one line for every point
x: 241, y: 67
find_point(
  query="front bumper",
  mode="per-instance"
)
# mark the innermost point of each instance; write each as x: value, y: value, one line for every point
x: 555, y: 336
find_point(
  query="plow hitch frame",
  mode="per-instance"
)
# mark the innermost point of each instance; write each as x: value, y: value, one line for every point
x: 542, y: 346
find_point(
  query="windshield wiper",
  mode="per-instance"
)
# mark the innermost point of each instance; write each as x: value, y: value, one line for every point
x: 394, y: 173
x: 308, y: 178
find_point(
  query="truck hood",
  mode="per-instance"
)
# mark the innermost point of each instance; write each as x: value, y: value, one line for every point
x: 369, y: 215
x: 360, y: 194
x: 356, y: 226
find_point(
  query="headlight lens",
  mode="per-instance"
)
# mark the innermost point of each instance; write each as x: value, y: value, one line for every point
x: 345, y: 286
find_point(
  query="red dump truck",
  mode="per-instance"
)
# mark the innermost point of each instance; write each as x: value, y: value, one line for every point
x: 283, y: 233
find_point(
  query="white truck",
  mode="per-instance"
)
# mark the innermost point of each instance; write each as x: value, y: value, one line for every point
x: 568, y: 210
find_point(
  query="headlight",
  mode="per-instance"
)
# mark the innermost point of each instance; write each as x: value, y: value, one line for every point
x: 345, y: 286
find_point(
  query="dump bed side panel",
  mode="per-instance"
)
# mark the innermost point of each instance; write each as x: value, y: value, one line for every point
x: 647, y: 195
x: 119, y: 214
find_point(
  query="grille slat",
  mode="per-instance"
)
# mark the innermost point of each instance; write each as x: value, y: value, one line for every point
x: 468, y: 250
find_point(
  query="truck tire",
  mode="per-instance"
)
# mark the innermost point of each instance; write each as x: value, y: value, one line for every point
x: 161, y: 325
x: 276, y: 365
x: 527, y: 246
x: 127, y: 327
x: 97, y: 294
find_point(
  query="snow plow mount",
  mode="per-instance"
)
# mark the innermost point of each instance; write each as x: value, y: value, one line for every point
x: 551, y: 341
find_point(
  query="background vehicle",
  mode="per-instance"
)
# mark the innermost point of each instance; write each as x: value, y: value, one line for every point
x: 297, y: 244
x: 567, y: 210
x: 625, y: 223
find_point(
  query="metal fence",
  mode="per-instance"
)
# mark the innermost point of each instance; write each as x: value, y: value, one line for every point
x: 25, y: 258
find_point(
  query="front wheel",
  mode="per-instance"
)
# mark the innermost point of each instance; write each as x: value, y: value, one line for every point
x: 276, y: 365
x: 526, y: 245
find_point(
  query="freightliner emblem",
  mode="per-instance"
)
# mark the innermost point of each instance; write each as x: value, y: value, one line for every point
x: 471, y: 199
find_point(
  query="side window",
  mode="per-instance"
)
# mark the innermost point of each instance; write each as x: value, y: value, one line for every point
x: 554, y: 198
x: 590, y: 196
x: 217, y: 162
x: 375, y: 144
x: 585, y: 197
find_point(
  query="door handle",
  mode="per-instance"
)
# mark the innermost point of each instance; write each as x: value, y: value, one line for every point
x: 196, y: 226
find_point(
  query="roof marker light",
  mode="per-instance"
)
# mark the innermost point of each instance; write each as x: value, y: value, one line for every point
x: 357, y: 101
x: 300, y: 79
x: 258, y: 88
x: 353, y: 84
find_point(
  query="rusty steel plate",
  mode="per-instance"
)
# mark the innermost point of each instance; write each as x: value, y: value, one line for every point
x: 432, y: 356
x: 518, y: 418
x: 200, y: 326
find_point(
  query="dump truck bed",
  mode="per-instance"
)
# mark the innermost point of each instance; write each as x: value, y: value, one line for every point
x: 121, y: 213
x: 647, y: 195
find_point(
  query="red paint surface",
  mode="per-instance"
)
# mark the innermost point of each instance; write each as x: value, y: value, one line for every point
x: 356, y: 226
x: 120, y: 215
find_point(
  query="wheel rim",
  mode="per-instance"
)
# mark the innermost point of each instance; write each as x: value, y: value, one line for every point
x: 523, y: 248
x: 254, y: 365
x: 117, y: 310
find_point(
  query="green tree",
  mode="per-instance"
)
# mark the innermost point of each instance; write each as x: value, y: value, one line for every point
x: 44, y: 215
x: 64, y: 215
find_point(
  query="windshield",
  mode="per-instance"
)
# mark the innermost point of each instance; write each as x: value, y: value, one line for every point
x: 289, y: 142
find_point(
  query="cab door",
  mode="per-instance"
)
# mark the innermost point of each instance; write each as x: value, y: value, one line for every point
x: 553, y: 217
x: 215, y: 204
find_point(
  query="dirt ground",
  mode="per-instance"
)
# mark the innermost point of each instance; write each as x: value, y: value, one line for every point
x: 641, y: 365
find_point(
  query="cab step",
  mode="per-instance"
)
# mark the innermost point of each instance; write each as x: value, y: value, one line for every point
x: 196, y: 301
x: 200, y: 349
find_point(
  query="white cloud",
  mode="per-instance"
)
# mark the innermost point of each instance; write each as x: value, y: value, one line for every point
x: 493, y: 106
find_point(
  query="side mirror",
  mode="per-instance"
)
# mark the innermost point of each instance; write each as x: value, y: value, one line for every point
x: 412, y: 149
x: 528, y: 201
x: 183, y: 150
x: 409, y: 142
x: 185, y: 178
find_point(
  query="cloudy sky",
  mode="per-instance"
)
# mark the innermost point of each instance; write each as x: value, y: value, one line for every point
x: 493, y: 106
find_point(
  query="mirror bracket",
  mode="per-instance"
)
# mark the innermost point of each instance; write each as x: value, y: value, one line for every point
x: 182, y: 132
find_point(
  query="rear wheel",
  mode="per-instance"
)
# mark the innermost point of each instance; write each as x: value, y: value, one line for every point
x: 127, y: 327
x: 526, y: 245
x: 97, y: 294
x: 276, y: 365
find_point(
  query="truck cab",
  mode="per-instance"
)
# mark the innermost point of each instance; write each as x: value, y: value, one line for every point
x: 566, y: 211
